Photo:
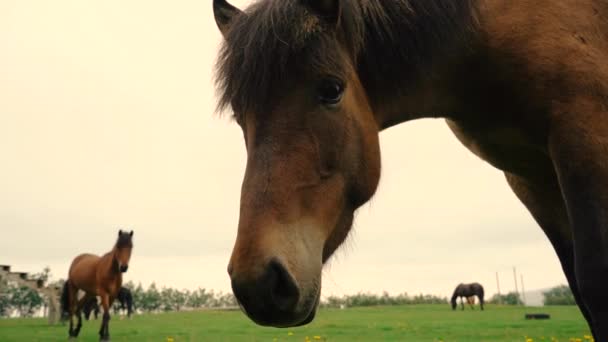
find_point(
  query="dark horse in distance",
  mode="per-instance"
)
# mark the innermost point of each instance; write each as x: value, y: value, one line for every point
x: 96, y: 276
x: 468, y: 291
x: 124, y: 302
x: 523, y: 84
x: 91, y: 306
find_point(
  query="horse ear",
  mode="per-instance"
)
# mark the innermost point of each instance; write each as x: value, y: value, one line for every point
x: 131, y: 234
x: 329, y: 10
x: 223, y: 13
x: 119, y: 232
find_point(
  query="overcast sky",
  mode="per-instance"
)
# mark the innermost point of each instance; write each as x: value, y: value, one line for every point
x: 106, y: 122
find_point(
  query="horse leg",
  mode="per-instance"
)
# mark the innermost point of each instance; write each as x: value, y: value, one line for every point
x: 578, y: 148
x: 104, y: 331
x: 462, y: 302
x: 543, y: 200
x: 480, y: 297
x: 79, y: 306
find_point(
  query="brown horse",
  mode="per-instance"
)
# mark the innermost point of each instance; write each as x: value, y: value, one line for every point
x: 523, y: 84
x: 96, y: 276
x: 468, y: 291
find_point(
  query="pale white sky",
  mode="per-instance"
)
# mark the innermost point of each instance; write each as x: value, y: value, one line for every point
x: 106, y: 122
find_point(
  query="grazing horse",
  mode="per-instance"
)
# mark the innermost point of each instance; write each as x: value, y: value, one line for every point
x: 468, y: 291
x: 471, y: 301
x: 125, y: 301
x: 96, y: 276
x: 523, y: 84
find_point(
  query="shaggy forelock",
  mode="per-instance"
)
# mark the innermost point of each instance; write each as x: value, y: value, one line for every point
x: 124, y: 240
x: 272, y: 40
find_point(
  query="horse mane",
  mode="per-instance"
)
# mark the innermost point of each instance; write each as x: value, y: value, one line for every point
x: 275, y: 39
x: 456, y: 292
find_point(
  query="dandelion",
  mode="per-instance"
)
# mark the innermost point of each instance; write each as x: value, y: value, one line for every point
x: 528, y: 339
x: 588, y: 337
x: 290, y: 333
x: 316, y: 337
x: 170, y: 339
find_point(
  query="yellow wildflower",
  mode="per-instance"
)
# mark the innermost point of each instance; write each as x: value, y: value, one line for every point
x: 290, y: 333
x: 316, y: 337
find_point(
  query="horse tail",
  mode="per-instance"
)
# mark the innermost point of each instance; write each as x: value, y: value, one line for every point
x: 65, y: 299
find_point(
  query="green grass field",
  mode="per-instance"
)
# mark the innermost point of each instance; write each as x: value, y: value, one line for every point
x: 395, y: 323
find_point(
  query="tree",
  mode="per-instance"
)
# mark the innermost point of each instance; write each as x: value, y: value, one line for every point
x: 180, y: 298
x: 559, y: 295
x: 511, y: 298
x: 24, y: 300
x: 166, y: 299
x: 151, y: 300
x: 4, y: 298
x: 199, y: 298
x: 43, y: 276
x: 4, y: 304
x: 138, y: 294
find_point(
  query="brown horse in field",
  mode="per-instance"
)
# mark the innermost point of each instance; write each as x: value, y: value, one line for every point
x: 468, y: 291
x: 523, y: 84
x: 96, y: 276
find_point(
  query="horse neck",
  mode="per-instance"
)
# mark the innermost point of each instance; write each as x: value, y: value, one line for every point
x: 458, y: 292
x: 403, y: 65
x: 109, y: 260
x: 454, y: 296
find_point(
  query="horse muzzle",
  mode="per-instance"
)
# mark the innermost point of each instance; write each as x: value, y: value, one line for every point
x: 274, y: 298
x: 123, y: 268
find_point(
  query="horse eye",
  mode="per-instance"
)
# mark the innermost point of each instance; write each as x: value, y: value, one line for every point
x: 330, y: 92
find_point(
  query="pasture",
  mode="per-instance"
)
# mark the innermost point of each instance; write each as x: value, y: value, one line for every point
x: 393, y: 323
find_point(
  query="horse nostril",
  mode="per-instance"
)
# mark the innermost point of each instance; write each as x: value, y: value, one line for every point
x: 283, y: 289
x: 269, y: 298
x: 124, y: 268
